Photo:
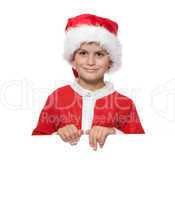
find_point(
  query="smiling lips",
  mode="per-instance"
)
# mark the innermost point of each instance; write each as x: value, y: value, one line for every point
x: 90, y: 70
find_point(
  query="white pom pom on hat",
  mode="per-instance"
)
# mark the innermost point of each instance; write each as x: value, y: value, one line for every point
x: 92, y: 28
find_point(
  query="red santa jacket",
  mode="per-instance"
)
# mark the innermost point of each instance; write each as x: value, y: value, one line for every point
x: 72, y: 104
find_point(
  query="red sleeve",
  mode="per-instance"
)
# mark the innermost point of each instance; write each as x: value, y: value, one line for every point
x: 130, y: 123
x: 48, y: 119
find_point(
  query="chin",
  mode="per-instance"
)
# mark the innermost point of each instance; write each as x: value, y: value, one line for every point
x: 92, y: 78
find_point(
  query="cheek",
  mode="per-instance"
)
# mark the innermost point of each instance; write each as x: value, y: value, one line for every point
x: 79, y: 60
x: 80, y: 64
x: 104, y: 63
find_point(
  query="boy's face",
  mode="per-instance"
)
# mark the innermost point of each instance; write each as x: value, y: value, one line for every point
x: 91, y: 62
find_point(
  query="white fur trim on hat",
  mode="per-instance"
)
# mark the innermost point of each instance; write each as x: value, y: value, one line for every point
x: 87, y: 33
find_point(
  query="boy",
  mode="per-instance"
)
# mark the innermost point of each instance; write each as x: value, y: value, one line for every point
x: 89, y: 105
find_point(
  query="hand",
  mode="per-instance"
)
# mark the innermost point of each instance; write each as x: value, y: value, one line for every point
x: 70, y: 133
x: 98, y: 134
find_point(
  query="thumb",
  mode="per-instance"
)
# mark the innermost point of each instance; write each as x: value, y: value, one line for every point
x: 113, y: 131
x: 80, y: 132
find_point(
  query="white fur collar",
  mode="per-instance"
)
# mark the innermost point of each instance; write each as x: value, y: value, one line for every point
x: 99, y: 93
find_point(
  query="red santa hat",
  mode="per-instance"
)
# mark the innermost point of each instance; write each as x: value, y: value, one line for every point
x: 92, y: 28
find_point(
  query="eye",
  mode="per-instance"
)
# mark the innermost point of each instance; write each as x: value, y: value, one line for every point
x: 99, y: 54
x: 83, y: 53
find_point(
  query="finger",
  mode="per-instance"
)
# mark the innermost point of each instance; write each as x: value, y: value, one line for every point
x: 73, y: 143
x: 94, y: 143
x: 75, y: 140
x: 72, y: 132
x: 102, y: 140
x: 112, y: 131
x: 77, y: 132
x: 94, y: 140
x: 90, y: 138
x: 80, y: 133
x: 99, y: 136
x: 68, y: 134
x: 64, y: 137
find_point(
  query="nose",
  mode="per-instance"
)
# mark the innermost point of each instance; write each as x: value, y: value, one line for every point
x: 91, y: 60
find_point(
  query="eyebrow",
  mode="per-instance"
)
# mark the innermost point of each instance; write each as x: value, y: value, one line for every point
x: 102, y: 50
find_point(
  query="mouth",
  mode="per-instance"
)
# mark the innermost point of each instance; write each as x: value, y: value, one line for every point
x: 90, y: 70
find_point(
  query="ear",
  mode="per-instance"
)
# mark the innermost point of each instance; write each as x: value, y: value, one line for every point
x: 110, y: 64
x: 73, y: 65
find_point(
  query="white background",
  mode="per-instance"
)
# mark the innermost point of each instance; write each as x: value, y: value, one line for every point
x: 31, y: 64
